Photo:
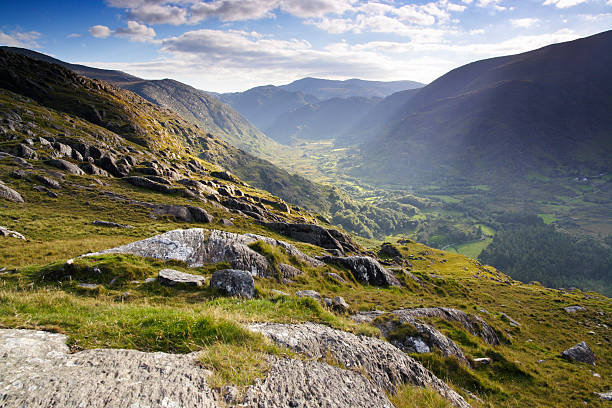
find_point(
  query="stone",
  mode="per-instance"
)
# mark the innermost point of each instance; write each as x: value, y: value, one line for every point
x: 19, y: 174
x: 482, y: 361
x: 308, y: 384
x: 335, y: 276
x: 48, y: 181
x: 9, y: 194
x: 226, y: 222
x: 386, y: 365
x: 510, y: 320
x: 148, y: 280
x: 25, y: 152
x: 37, y: 367
x: 233, y: 282
x: 199, y: 215
x: 313, y: 294
x: 574, y: 309
x: 279, y: 292
x: 472, y: 323
x: 146, y: 183
x: 88, y: 285
x: 340, y: 305
x: 225, y: 175
x: 365, y: 269
x: 92, y: 169
x: 288, y: 271
x: 606, y: 396
x: 66, y: 166
x: 387, y: 250
x: 581, y: 353
x: 170, y: 277
x: 62, y: 149
x: 316, y: 235
x: 5, y: 232
x: 110, y: 224
x: 108, y: 163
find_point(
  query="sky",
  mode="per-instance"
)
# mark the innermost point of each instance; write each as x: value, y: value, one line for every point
x: 233, y: 45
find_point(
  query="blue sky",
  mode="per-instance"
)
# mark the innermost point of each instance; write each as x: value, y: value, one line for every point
x: 231, y: 45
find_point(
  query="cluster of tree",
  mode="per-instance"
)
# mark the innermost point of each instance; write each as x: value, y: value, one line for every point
x: 555, y: 259
x: 439, y: 233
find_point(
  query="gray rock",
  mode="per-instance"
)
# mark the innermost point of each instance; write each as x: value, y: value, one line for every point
x: 233, y: 282
x: 385, y: 364
x: 48, y: 181
x: 65, y: 165
x: 25, y: 152
x: 197, y: 248
x: 9, y: 194
x: 574, y: 309
x: 287, y: 271
x: 38, y: 370
x: 308, y: 384
x: 472, y: 323
x: 5, y: 232
x: 148, y: 184
x: 63, y: 149
x: 581, y: 353
x: 316, y: 235
x: 606, y: 396
x: 510, y: 320
x: 108, y: 163
x: 279, y: 292
x: 199, y: 215
x: 19, y: 174
x: 88, y: 285
x: 335, y: 277
x: 170, y: 277
x: 339, y: 304
x: 109, y: 224
x: 313, y: 294
x: 482, y: 361
x: 366, y: 270
x: 92, y: 169
x: 367, y: 317
x: 149, y: 280
x: 227, y: 222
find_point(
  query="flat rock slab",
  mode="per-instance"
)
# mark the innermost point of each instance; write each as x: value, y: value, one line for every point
x: 37, y: 370
x: 385, y: 364
x: 312, y: 384
x: 170, y: 277
x: 198, y: 247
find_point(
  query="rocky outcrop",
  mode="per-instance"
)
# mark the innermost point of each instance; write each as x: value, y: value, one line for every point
x: 472, y: 323
x: 48, y: 181
x: 196, y: 247
x: 170, y: 277
x: 365, y: 269
x: 312, y: 384
x: 316, y: 235
x: 233, y: 282
x: 385, y: 364
x: 66, y: 166
x: 148, y: 184
x: 581, y: 352
x: 9, y: 194
x: 5, y: 232
x: 38, y: 370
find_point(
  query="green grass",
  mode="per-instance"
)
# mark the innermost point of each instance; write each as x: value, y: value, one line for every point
x: 548, y: 218
x: 471, y: 249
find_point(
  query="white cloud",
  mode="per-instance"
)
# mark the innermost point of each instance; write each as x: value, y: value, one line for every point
x: 564, y: 3
x: 21, y: 39
x: 136, y: 32
x: 100, y: 31
x: 524, y: 22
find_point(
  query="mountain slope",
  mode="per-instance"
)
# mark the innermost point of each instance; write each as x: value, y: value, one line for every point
x: 263, y: 104
x: 327, y: 88
x: 501, y: 118
x: 322, y: 120
x: 192, y: 104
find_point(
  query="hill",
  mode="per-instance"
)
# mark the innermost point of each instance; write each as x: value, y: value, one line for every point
x: 327, y: 88
x: 192, y: 104
x: 545, y: 111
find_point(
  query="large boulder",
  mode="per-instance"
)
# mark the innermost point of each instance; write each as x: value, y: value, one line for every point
x: 581, y: 353
x: 365, y: 269
x: 25, y: 152
x: 316, y: 235
x: 9, y: 194
x: 472, y: 323
x: 146, y: 183
x: 197, y: 247
x: 170, y: 277
x: 66, y: 166
x: 385, y: 364
x: 37, y: 369
x: 233, y: 282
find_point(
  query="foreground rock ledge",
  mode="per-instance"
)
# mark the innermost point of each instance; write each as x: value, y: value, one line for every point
x: 384, y: 363
x: 36, y: 370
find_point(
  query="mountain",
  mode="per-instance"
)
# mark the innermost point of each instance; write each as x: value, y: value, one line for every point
x: 327, y: 88
x: 262, y: 105
x: 544, y: 111
x: 192, y: 104
x: 322, y: 120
